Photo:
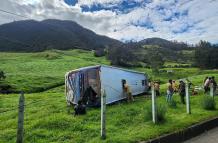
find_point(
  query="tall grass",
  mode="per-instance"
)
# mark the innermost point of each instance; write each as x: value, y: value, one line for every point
x: 161, y: 110
x: 208, y: 103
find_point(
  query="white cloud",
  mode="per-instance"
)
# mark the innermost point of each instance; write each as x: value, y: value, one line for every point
x: 174, y: 20
x: 102, y: 2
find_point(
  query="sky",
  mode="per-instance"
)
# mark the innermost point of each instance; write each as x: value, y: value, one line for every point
x: 127, y: 20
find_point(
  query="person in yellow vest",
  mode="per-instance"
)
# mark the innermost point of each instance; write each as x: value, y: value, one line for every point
x: 127, y: 91
x: 175, y: 86
x: 157, y: 88
x: 169, y: 91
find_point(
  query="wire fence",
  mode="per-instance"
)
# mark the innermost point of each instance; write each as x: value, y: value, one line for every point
x: 15, y: 108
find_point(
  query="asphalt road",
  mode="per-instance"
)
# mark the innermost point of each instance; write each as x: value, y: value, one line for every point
x: 210, y: 136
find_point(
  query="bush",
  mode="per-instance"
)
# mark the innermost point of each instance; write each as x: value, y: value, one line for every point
x: 208, y: 103
x: 161, y: 112
x: 5, y: 87
x: 172, y: 104
x: 99, y: 53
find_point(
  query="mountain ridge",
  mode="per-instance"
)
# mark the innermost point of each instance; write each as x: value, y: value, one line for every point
x: 36, y: 36
x: 31, y: 35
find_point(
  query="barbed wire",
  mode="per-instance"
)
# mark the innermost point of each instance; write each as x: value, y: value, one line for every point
x: 12, y: 13
x: 25, y: 105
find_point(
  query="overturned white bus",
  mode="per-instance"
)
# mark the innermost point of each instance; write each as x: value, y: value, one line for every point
x: 105, y: 78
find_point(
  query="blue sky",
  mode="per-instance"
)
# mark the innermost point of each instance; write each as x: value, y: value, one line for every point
x: 182, y: 20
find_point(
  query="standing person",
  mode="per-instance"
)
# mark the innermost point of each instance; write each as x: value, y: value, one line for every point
x: 207, y: 84
x: 157, y: 88
x: 127, y: 90
x: 149, y: 85
x: 182, y: 91
x: 175, y: 86
x: 205, y: 80
x: 214, y: 83
x: 169, y: 91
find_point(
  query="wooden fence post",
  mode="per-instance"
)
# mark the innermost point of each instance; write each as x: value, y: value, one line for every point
x: 188, y: 108
x: 154, y: 110
x: 20, y: 119
x: 211, y: 90
x: 103, y: 115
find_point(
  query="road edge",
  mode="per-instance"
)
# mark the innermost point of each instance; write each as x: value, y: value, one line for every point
x: 185, y: 134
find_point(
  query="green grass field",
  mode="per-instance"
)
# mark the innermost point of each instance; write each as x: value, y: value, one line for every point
x: 48, y: 121
x: 32, y: 72
x: 178, y: 73
x: 46, y: 118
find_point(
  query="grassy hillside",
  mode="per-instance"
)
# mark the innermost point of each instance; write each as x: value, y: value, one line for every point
x: 177, y: 73
x: 31, y: 72
x: 46, y: 119
x: 34, y: 72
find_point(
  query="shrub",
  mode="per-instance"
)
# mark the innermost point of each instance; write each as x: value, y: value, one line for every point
x: 99, y: 53
x: 5, y: 87
x: 172, y: 104
x: 2, y: 75
x: 161, y: 112
x: 208, y: 103
x: 148, y: 112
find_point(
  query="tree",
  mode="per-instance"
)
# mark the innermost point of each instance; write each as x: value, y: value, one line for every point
x: 100, y: 51
x: 204, y: 44
x: 206, y: 55
x: 124, y: 55
x: 156, y: 61
x: 153, y: 57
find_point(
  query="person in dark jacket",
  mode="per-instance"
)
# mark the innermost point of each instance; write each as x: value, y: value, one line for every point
x: 89, y: 97
x: 182, y: 91
x: 80, y: 109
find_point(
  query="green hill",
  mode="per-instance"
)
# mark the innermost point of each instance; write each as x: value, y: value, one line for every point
x: 34, y: 72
